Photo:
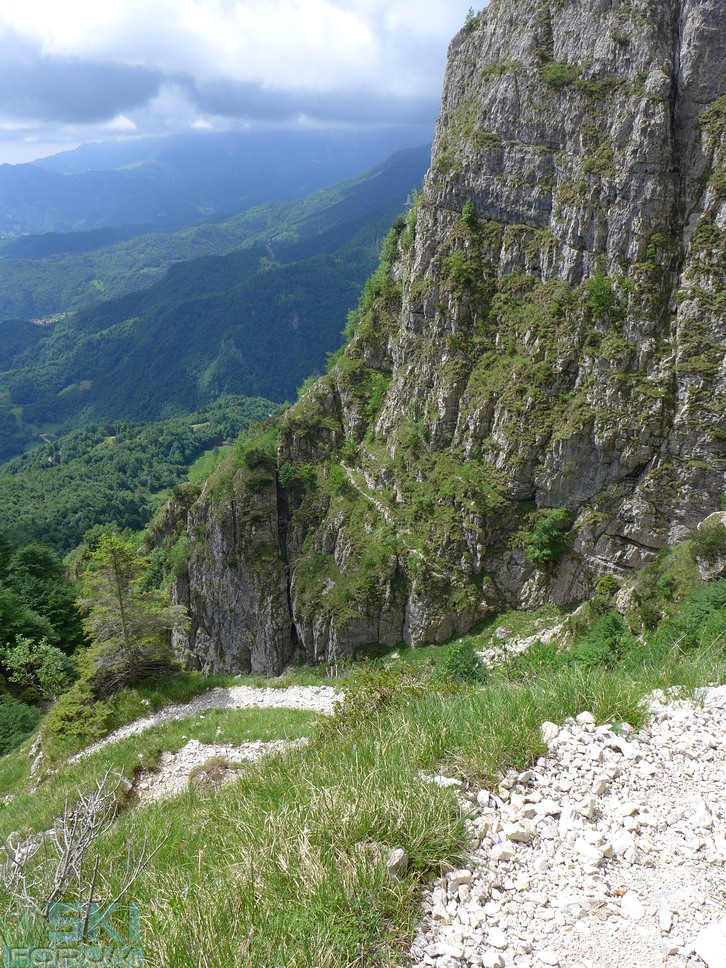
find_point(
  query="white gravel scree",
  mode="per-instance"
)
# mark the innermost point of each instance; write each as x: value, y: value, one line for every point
x: 318, y: 699
x: 609, y: 853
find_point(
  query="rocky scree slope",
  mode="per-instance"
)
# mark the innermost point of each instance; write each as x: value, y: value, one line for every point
x: 610, y: 852
x: 545, y: 334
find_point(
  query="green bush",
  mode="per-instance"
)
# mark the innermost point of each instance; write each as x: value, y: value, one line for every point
x: 17, y: 721
x: 75, y: 720
x: 605, y: 591
x: 654, y: 589
x: 601, y: 296
x: 608, y: 642
x: 338, y: 480
x: 39, y: 666
x: 547, y: 541
x: 463, y: 663
x: 560, y: 75
x: 377, y: 690
x: 468, y: 215
x: 709, y: 543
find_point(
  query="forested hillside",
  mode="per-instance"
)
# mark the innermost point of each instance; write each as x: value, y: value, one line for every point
x: 115, y: 474
x: 60, y: 272
x: 257, y: 321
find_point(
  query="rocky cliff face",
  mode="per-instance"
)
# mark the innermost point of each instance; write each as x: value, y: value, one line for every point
x: 533, y: 390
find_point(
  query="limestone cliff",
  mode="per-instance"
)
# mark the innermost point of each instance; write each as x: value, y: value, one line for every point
x: 533, y: 389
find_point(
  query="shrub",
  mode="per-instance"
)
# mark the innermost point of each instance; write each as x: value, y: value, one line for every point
x: 373, y: 693
x: 605, y: 590
x: 338, y: 480
x: 297, y: 479
x: 75, y: 720
x: 463, y: 664
x: 39, y: 666
x: 468, y: 215
x: 547, y: 541
x: 607, y: 643
x: 560, y: 75
x: 709, y: 543
x: 17, y: 721
x: 654, y: 589
x: 601, y: 296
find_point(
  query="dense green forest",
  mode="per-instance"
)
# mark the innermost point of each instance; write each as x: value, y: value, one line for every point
x: 61, y: 272
x: 116, y: 473
x: 257, y: 321
x: 40, y: 626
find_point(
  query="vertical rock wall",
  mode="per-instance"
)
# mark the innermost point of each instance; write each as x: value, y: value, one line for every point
x: 546, y: 331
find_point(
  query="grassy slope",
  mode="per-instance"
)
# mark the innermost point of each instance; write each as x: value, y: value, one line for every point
x: 281, y: 868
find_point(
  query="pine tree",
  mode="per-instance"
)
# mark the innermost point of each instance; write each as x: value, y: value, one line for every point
x: 129, y: 627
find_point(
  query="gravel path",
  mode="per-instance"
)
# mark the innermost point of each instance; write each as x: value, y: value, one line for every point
x: 318, y: 699
x: 610, y: 853
x: 172, y: 773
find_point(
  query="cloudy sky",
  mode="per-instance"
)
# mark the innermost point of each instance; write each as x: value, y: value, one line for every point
x: 86, y: 70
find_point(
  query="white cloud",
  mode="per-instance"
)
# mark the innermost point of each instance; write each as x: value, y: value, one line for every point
x: 121, y: 124
x: 198, y: 61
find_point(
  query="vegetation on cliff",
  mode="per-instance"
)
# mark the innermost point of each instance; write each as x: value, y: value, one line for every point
x: 528, y: 399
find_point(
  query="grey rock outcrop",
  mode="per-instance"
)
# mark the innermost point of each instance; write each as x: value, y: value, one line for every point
x: 547, y: 331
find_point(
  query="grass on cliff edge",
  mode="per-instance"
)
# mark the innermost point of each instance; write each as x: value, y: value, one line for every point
x: 286, y: 867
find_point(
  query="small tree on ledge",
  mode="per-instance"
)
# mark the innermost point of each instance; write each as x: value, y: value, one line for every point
x: 129, y: 628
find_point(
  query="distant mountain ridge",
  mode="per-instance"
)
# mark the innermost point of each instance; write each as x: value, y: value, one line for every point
x: 59, y: 272
x: 256, y: 322
x: 181, y: 178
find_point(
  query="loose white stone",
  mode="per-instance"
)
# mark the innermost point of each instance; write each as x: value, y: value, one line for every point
x: 548, y: 808
x: 710, y: 945
x: 457, y: 878
x: 547, y: 957
x: 500, y: 852
x: 549, y: 731
x: 588, y: 853
x: 523, y: 833
x: 397, y: 862
x: 631, y: 907
x: 497, y: 938
x: 492, y: 959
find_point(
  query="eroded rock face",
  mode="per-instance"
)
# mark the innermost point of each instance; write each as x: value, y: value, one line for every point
x: 235, y: 585
x: 547, y: 332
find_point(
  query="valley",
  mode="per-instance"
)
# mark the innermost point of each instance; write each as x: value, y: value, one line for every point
x: 363, y: 521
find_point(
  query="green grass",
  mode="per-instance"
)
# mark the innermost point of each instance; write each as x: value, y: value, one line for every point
x: 127, y: 706
x: 286, y: 865
x: 31, y: 811
x: 205, y: 465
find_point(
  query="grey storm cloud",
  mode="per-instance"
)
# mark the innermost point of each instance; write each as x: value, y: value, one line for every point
x: 255, y: 102
x: 68, y: 89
